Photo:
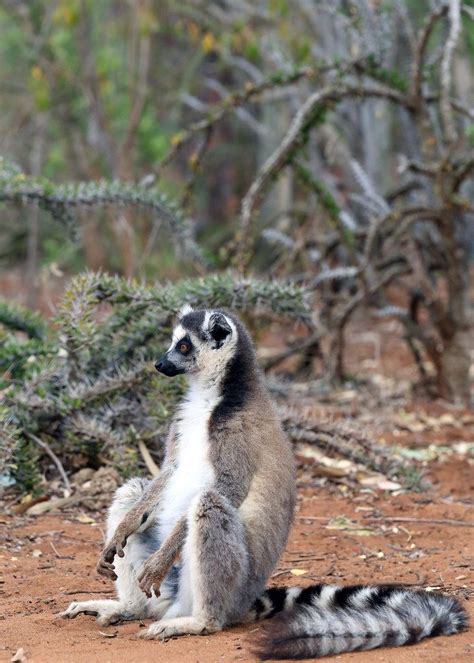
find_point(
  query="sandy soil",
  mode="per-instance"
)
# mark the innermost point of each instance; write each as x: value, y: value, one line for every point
x: 50, y: 560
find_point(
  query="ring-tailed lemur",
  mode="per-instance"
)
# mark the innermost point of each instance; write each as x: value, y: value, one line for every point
x: 194, y: 547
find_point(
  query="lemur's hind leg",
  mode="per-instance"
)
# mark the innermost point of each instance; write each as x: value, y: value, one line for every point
x: 213, y: 573
x: 131, y: 602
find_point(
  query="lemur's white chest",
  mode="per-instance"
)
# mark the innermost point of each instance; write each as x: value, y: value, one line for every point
x: 194, y: 472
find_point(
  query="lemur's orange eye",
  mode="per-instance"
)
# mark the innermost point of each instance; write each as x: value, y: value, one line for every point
x: 183, y: 347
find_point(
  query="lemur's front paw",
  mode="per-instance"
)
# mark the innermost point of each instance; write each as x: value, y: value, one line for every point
x: 105, y: 564
x: 105, y: 568
x: 151, y: 577
x: 114, y: 547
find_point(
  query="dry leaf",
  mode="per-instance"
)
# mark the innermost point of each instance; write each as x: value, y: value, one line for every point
x: 86, y: 520
x: 345, y: 395
x: 109, y: 635
x: 345, y: 524
x: 380, y: 482
x: 326, y: 471
x: 298, y: 572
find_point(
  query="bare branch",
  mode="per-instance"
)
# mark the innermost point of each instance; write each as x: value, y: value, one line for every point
x: 45, y: 446
x: 330, y: 94
x: 446, y: 70
x: 420, y: 52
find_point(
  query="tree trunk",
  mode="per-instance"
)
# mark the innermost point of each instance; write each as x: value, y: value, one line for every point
x: 454, y: 331
x: 455, y: 361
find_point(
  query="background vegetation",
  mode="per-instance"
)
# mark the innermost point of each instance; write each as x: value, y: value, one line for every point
x: 306, y: 160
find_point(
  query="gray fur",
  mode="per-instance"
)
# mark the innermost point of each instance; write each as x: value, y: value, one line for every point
x: 206, y: 534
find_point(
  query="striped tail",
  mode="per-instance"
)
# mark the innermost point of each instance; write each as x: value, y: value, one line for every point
x: 324, y: 620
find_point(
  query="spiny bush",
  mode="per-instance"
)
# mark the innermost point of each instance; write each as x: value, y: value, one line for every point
x: 84, y: 390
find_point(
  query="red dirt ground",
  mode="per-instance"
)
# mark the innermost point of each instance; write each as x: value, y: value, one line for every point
x: 36, y: 586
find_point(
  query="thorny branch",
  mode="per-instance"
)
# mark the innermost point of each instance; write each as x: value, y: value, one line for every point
x: 274, y: 163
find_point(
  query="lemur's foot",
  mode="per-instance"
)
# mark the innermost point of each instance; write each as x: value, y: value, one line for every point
x: 172, y: 628
x: 106, y: 612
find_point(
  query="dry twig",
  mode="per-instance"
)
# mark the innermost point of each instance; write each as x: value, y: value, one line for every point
x: 45, y: 446
x: 423, y: 521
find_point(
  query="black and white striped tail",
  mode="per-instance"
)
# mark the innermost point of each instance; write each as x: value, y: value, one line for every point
x: 324, y: 620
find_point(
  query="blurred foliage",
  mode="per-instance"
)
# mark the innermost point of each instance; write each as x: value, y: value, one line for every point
x: 98, y: 76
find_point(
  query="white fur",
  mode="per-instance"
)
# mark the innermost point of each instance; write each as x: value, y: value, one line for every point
x: 184, y: 310
x: 267, y: 606
x: 361, y: 598
x: 194, y: 472
x: 171, y: 627
x: 178, y: 333
x: 326, y: 597
x: 292, y: 594
x: 207, y: 318
x: 396, y: 599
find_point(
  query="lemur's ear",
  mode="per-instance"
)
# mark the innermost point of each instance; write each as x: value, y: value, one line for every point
x: 184, y: 310
x: 219, y: 328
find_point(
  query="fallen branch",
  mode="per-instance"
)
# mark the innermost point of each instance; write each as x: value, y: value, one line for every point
x: 45, y: 446
x: 58, y: 554
x: 89, y: 591
x: 149, y: 462
x: 424, y: 521
x: 333, y: 437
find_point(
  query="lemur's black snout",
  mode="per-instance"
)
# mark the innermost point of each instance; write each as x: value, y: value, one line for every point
x: 166, y: 367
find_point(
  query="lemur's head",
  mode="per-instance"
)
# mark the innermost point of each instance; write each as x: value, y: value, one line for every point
x: 203, y: 342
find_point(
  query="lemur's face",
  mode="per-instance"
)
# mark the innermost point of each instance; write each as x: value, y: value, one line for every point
x: 202, y: 342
